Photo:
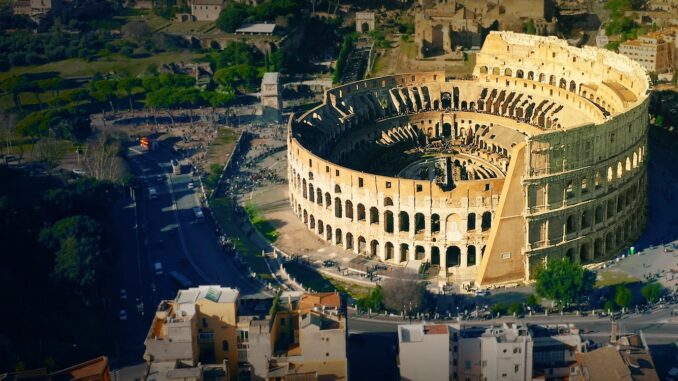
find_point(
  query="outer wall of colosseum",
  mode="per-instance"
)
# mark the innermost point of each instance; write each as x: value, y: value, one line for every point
x: 562, y: 130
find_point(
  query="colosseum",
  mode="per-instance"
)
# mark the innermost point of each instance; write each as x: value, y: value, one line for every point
x: 541, y: 153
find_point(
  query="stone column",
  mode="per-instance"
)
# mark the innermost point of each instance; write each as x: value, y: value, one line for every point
x: 463, y: 256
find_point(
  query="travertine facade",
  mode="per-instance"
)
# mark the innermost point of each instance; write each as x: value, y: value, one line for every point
x: 543, y: 156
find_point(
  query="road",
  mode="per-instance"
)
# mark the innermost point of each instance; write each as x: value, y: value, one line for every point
x: 162, y: 230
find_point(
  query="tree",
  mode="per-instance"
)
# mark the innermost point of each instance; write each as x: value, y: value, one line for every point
x: 652, y: 291
x: 516, y: 309
x: 126, y: 85
x: 623, y: 296
x: 16, y: 85
x: 101, y: 160
x: 498, y: 309
x: 403, y: 292
x: 232, y: 17
x: 76, y: 243
x: 659, y: 121
x: 531, y: 301
x: 563, y: 281
x: 654, y: 77
x: 50, y: 153
x: 529, y: 27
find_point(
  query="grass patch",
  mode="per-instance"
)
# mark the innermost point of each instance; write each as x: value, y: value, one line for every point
x: 309, y: 278
x: 76, y: 67
x: 614, y: 277
x: 225, y: 214
x: 260, y: 223
x: 354, y: 290
x: 220, y: 149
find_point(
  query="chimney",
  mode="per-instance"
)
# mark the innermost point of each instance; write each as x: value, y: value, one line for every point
x: 614, y: 332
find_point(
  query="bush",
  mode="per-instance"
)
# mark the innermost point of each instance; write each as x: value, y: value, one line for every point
x: 498, y: 309
x: 516, y: 309
x: 652, y: 292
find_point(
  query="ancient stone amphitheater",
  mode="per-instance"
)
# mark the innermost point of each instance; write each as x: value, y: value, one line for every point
x: 541, y: 154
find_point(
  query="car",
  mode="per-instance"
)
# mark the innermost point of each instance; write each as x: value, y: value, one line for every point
x: 191, y: 185
x: 123, y: 315
x: 158, y: 268
x: 482, y: 292
x: 123, y: 294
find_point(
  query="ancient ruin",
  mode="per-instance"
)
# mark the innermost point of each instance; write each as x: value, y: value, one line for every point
x: 542, y: 154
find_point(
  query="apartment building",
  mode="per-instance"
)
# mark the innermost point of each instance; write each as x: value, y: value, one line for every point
x: 197, y: 327
x: 210, y: 333
x: 656, y: 51
x: 554, y: 349
x: 425, y: 348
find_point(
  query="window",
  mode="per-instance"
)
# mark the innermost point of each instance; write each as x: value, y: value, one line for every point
x: 484, y: 364
x: 487, y: 187
x: 360, y: 182
x: 204, y: 322
x: 327, y: 168
x: 388, y: 184
x: 336, y: 172
x: 419, y: 188
x: 224, y: 345
x: 503, y: 374
x: 516, y: 368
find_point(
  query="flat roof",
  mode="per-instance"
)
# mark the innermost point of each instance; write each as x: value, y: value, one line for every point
x: 216, y: 294
x: 263, y: 28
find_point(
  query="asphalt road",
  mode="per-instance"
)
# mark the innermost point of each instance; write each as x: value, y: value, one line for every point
x: 162, y: 230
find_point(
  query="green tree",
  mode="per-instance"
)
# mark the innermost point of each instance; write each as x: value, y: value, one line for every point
x: 531, y: 301
x: 529, y: 27
x: 76, y: 243
x: 498, y: 309
x: 563, y: 281
x: 516, y: 309
x: 610, y: 306
x: 623, y: 296
x: 659, y: 121
x: 232, y: 17
x: 16, y: 85
x: 126, y: 85
x: 652, y: 292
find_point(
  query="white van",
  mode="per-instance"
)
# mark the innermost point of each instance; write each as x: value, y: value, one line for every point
x: 158, y: 268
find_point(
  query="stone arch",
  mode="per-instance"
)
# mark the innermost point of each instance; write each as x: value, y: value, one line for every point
x: 338, y: 237
x: 305, y: 217
x: 573, y: 87
x: 328, y: 233
x: 361, y: 212
x: 311, y: 192
x: 389, y: 251
x: 304, y: 189
x: 403, y: 222
x: 542, y: 77
x: 310, y: 176
x: 508, y: 72
x: 362, y: 245
x: 496, y: 71
x: 388, y: 221
x: 435, y: 223
x: 620, y: 170
x: 464, y: 105
x: 570, y: 225
x: 349, y: 241
x: 419, y: 223
x: 570, y: 255
x: 552, y: 80
x: 374, y: 248
x: 598, y: 248
x: 585, y: 219
x: 374, y: 215
x: 530, y: 75
x: 486, y: 222
x: 520, y: 73
x: 471, y: 222
x: 388, y: 201
x: 349, y: 209
x: 453, y: 256
x: 471, y: 259
x: 610, y: 174
x: 446, y: 100
x: 628, y: 164
x: 584, y: 253
x: 337, y: 188
x: 319, y: 196
x: 453, y: 230
x: 635, y: 160
x: 419, y: 253
x: 435, y: 255
x: 337, y: 207
x: 563, y: 83
x: 321, y: 227
x: 404, y: 252
x: 483, y: 70
x: 328, y: 200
